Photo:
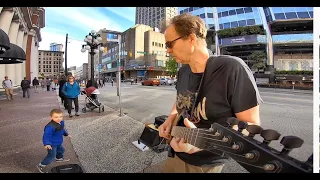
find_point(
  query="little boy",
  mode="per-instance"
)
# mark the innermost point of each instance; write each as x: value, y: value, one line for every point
x: 53, y: 139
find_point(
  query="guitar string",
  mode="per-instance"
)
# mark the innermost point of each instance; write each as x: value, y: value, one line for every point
x: 203, y: 133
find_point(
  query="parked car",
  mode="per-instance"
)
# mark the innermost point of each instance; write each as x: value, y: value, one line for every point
x: 150, y: 82
x: 166, y: 81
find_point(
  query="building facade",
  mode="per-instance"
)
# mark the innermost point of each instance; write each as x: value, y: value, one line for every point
x: 153, y: 16
x: 56, y: 47
x: 284, y: 33
x: 142, y: 54
x: 50, y: 63
x: 82, y: 72
x: 23, y: 26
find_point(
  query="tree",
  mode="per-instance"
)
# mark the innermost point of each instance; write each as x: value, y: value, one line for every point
x: 259, y: 59
x: 171, y: 66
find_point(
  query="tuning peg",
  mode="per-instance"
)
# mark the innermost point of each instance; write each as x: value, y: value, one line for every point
x: 232, y: 121
x: 242, y: 125
x: 253, y: 130
x: 289, y: 143
x: 269, y: 135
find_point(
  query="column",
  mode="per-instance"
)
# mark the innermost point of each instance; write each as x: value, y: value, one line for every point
x: 13, y: 33
x: 29, y: 52
x: 5, y: 21
x: 19, y: 66
x: 269, y: 41
x: 34, y: 60
x: 24, y: 47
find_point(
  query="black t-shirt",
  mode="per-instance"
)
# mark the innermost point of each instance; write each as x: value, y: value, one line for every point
x: 228, y: 87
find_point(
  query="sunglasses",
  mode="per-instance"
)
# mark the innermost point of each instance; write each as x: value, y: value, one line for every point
x: 169, y: 44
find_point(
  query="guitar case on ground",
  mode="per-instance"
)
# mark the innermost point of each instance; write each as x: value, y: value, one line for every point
x: 67, y: 168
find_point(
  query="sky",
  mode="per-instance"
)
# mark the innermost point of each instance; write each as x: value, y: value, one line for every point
x: 78, y: 22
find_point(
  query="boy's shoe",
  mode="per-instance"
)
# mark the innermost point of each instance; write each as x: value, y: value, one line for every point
x: 77, y: 114
x: 70, y: 115
x: 62, y: 160
x: 41, y: 168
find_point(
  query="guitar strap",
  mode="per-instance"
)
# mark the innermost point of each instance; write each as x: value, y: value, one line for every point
x: 191, y: 117
x: 171, y: 152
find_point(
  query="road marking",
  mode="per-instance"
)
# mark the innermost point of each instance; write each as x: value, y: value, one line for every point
x: 278, y: 104
x: 292, y: 99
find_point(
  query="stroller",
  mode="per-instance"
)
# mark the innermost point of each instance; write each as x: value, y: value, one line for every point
x: 91, y: 101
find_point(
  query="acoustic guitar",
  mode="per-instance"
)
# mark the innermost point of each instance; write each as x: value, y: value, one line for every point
x: 253, y: 155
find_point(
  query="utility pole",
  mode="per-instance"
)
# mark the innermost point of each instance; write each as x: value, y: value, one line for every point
x: 65, y: 57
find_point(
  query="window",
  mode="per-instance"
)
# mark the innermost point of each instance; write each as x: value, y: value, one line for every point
x: 247, y: 9
x: 202, y: 15
x: 242, y: 23
x: 251, y: 22
x: 234, y: 24
x: 291, y: 15
x: 219, y: 15
x: 225, y: 13
x: 226, y: 25
x: 152, y: 43
x: 220, y: 26
x: 210, y: 15
x: 279, y: 16
x: 232, y: 12
x: 240, y: 11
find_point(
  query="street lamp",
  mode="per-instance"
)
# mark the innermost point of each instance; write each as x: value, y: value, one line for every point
x: 93, y: 46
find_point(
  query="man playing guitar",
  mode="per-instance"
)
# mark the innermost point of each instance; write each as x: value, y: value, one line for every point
x: 209, y: 89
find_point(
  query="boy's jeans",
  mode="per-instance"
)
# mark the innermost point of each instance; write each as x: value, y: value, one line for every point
x: 56, y: 152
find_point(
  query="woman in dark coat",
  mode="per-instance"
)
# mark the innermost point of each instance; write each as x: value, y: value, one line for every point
x: 61, y: 95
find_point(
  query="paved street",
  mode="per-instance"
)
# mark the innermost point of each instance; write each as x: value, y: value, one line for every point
x: 288, y: 112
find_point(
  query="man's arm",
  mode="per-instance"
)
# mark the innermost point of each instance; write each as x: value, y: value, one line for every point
x: 173, y: 113
x: 251, y: 115
x: 244, y: 95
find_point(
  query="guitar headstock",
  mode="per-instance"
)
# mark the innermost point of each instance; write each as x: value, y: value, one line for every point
x: 257, y: 156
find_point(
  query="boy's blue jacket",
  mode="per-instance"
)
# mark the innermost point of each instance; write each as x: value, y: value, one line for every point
x: 53, y: 133
x: 71, y: 91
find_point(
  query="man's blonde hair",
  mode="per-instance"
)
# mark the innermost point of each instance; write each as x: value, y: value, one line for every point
x: 186, y: 24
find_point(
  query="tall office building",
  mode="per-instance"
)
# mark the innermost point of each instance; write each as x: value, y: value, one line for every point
x: 285, y: 33
x: 153, y: 16
x: 56, y: 47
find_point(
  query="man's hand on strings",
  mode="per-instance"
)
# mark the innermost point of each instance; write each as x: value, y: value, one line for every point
x: 180, y: 145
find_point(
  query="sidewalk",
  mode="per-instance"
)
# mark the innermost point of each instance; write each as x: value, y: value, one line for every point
x: 22, y: 123
x: 103, y: 142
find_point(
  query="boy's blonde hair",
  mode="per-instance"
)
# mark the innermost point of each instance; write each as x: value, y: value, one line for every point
x: 56, y: 111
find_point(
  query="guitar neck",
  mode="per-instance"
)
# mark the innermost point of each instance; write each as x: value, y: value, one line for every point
x: 250, y: 154
x: 193, y: 136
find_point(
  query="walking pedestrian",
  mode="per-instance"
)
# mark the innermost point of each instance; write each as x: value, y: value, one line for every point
x: 71, y: 90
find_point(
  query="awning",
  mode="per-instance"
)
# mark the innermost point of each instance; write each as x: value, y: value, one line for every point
x: 13, y: 56
x: 4, y: 42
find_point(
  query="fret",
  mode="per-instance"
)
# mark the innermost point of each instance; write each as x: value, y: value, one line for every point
x: 195, y: 140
